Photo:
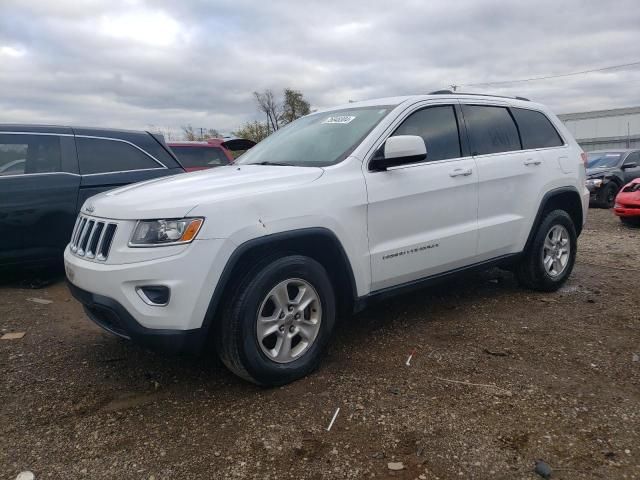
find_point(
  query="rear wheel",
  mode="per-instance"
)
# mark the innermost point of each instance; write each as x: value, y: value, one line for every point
x: 278, y: 322
x: 550, y: 258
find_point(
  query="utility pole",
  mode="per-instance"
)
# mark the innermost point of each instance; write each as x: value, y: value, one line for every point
x: 454, y: 87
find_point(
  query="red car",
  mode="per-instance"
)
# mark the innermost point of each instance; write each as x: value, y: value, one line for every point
x: 627, y: 205
x: 214, y: 152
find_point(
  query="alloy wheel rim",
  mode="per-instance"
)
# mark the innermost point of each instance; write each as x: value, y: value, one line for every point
x: 289, y: 320
x: 556, y: 251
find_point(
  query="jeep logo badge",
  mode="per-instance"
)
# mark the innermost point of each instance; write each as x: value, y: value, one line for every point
x: 89, y: 208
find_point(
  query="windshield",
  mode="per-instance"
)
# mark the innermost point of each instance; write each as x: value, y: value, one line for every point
x: 602, y: 159
x: 317, y: 140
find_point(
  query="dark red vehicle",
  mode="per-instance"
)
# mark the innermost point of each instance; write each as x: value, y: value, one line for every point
x: 627, y: 205
x: 214, y: 152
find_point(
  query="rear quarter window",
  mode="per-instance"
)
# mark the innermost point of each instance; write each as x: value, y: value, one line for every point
x: 98, y: 155
x: 536, y: 130
x: 491, y: 129
x: 200, y: 157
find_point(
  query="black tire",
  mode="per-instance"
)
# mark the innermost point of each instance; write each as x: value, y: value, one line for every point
x: 608, y: 195
x: 531, y: 272
x: 631, y: 221
x: 236, y: 336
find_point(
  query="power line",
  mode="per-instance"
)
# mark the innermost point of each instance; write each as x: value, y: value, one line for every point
x: 547, y: 77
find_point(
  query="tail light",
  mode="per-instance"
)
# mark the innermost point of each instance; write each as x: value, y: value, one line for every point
x: 583, y: 155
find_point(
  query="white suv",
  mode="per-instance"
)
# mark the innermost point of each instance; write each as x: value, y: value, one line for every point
x: 340, y: 208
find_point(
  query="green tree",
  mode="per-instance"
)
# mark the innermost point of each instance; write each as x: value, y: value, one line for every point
x: 256, y: 131
x: 294, y: 106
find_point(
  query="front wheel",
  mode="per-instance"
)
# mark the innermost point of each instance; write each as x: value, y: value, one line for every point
x: 631, y: 221
x: 608, y: 195
x: 549, y: 260
x: 278, y: 322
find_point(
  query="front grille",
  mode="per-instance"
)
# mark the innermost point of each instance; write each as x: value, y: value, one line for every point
x: 92, y: 238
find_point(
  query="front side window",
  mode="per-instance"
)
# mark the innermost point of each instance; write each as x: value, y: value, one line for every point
x: 317, y: 140
x: 438, y: 128
x: 98, y: 155
x: 194, y: 157
x: 491, y: 129
x: 633, y: 158
x: 24, y: 154
x: 536, y: 130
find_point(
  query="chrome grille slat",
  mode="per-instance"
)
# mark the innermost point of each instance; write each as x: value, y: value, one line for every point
x: 92, y: 238
x: 85, y: 237
x: 100, y: 242
x: 81, y: 227
x: 98, y: 227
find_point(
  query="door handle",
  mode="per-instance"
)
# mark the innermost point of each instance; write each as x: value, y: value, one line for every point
x: 531, y: 161
x: 461, y: 172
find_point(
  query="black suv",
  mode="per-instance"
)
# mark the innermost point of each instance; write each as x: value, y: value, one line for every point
x: 47, y: 172
x: 608, y: 171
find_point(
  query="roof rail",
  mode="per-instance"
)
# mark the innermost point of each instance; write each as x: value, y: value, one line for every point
x: 449, y: 92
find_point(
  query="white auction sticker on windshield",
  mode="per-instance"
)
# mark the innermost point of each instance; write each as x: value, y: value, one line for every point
x: 339, y: 119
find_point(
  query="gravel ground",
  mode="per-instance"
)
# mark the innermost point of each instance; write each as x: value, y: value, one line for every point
x: 500, y: 377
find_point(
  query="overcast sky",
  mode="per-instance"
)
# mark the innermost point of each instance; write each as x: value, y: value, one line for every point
x: 136, y: 63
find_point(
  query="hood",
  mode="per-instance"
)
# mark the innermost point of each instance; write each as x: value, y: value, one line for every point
x: 175, y: 196
x: 599, y: 171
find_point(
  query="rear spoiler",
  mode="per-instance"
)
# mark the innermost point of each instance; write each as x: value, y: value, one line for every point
x: 236, y: 144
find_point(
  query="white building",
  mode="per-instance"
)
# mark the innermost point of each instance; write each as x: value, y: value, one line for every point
x: 604, y: 129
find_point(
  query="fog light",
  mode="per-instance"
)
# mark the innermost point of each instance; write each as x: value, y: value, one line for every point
x: 154, y: 295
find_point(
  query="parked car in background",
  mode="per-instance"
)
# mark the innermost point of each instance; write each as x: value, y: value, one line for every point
x: 627, y: 205
x: 214, y: 152
x: 608, y: 171
x: 47, y: 172
x: 338, y: 209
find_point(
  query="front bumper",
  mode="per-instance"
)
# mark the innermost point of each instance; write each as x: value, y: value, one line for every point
x: 109, y: 292
x: 114, y: 318
x: 626, y: 211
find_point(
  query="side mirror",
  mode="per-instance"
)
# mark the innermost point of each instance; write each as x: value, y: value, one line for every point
x: 629, y: 165
x: 399, y: 150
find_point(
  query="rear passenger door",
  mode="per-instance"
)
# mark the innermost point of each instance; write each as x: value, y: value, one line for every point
x: 509, y: 177
x: 109, y: 162
x: 38, y: 191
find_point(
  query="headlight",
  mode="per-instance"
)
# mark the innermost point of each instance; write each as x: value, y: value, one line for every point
x: 150, y: 233
x: 595, y: 182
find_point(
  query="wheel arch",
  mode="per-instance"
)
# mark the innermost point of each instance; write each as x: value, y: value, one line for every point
x: 563, y: 198
x: 318, y: 243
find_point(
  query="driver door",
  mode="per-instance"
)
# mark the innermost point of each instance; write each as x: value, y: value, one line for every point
x: 423, y: 217
x: 631, y: 172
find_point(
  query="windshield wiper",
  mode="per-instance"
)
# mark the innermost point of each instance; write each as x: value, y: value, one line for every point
x: 276, y: 164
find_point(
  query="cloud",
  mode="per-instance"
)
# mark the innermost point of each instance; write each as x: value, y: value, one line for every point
x: 136, y: 63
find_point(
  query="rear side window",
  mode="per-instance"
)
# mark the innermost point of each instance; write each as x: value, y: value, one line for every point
x: 200, y: 157
x: 97, y: 155
x: 438, y: 128
x: 536, y: 130
x: 24, y: 154
x: 491, y: 129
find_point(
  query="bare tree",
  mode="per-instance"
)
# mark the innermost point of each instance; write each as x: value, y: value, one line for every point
x: 269, y: 106
x: 189, y: 134
x: 199, y: 134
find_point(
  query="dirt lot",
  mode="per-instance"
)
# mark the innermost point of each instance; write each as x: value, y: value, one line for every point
x: 500, y: 377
